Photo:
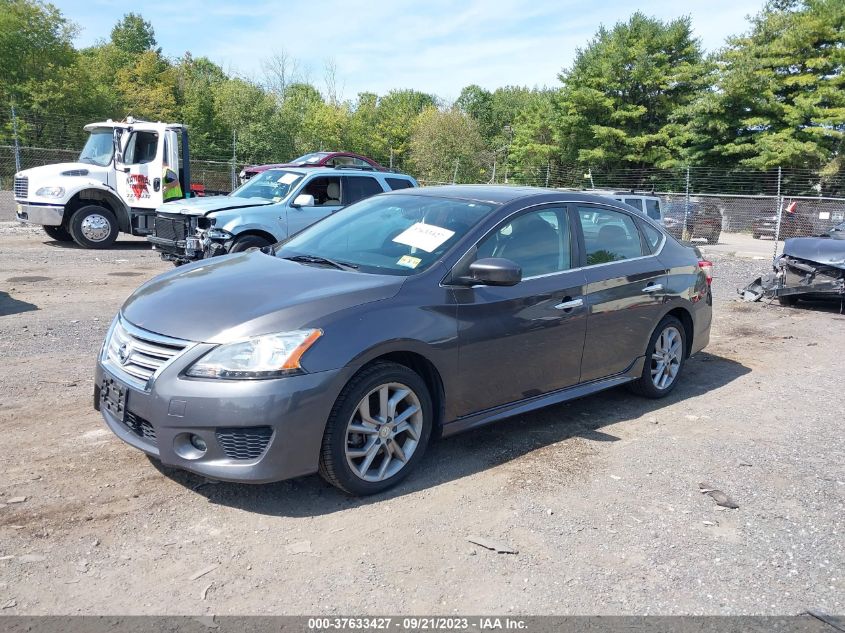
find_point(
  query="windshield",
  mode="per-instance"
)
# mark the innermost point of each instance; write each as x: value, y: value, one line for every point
x: 273, y: 185
x: 388, y: 234
x: 98, y: 148
x: 309, y: 159
x: 837, y: 232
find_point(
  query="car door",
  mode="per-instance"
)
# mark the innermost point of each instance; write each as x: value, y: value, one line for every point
x: 140, y: 170
x: 520, y: 341
x: 625, y: 290
x: 327, y: 193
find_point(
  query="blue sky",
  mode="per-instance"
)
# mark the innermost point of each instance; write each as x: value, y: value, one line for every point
x: 435, y: 46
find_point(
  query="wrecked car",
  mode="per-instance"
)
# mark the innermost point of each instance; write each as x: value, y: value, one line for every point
x: 811, y: 268
x: 266, y: 209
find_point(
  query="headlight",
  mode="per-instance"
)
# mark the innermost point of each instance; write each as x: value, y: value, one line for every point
x: 267, y: 356
x: 51, y: 192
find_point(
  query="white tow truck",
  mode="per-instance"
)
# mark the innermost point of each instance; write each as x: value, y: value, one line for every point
x: 115, y: 186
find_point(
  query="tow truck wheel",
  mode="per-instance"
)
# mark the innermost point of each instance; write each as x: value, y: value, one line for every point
x: 248, y: 241
x: 93, y: 226
x: 58, y: 233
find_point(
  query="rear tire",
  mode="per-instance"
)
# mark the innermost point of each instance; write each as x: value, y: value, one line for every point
x: 58, y: 233
x: 713, y: 239
x: 359, y: 428
x: 248, y: 241
x: 665, y: 357
x: 789, y: 301
x: 756, y: 236
x: 93, y: 226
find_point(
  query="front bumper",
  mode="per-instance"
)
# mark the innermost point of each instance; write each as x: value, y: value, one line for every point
x: 45, y: 214
x: 159, y: 421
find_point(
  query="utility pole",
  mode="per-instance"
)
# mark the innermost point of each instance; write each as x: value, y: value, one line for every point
x: 686, y: 235
x: 17, y: 145
x: 455, y: 175
x: 234, y: 159
x: 548, y: 169
x: 391, y: 159
x: 780, y: 216
x: 509, y: 131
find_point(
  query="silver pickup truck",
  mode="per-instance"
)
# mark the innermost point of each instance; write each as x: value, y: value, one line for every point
x: 264, y: 210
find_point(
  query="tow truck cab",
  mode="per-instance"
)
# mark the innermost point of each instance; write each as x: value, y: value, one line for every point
x: 115, y: 185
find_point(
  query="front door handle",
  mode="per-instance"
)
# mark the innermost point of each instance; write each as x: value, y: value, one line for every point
x: 653, y: 288
x: 568, y: 305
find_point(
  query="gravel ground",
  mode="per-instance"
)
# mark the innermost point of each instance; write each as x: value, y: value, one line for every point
x: 600, y: 496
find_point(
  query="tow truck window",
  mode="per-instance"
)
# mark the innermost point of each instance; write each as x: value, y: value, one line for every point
x: 141, y: 148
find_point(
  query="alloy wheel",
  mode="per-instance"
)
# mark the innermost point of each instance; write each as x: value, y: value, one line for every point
x: 383, y: 432
x: 666, y: 357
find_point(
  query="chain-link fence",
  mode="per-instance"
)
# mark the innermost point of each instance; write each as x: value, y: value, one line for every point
x: 738, y: 208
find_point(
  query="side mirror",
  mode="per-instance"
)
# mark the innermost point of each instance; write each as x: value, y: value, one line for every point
x: 303, y: 200
x: 494, y: 271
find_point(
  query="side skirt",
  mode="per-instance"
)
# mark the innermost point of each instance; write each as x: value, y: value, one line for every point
x: 547, y: 399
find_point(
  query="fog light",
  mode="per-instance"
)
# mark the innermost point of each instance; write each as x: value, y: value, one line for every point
x: 198, y: 443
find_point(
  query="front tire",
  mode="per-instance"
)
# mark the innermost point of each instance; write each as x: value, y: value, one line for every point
x: 378, y: 429
x: 665, y: 356
x: 58, y: 233
x: 93, y: 226
x: 248, y: 241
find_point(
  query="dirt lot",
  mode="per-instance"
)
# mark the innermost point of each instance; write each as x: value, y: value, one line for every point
x: 600, y: 497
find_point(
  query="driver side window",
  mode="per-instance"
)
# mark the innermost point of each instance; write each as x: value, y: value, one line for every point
x: 539, y: 241
x: 325, y: 189
x: 141, y: 148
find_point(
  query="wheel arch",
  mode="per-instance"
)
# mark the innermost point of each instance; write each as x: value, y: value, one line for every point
x: 423, y: 366
x: 683, y: 315
x: 257, y: 233
x: 104, y: 198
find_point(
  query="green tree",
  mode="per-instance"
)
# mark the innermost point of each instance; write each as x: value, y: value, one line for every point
x: 148, y: 87
x: 396, y: 112
x: 35, y: 40
x: 619, y: 96
x: 197, y: 79
x: 780, y: 95
x: 444, y: 141
x: 134, y: 35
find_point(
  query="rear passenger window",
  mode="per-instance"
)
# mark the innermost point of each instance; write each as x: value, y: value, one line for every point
x: 360, y: 187
x: 652, y: 209
x: 398, y: 183
x: 609, y: 236
x: 637, y: 203
x: 652, y: 236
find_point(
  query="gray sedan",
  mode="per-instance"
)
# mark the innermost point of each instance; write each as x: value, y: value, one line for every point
x: 405, y: 316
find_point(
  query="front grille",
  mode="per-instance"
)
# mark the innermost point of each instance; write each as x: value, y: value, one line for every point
x: 140, y: 427
x: 175, y: 229
x: 21, y: 187
x: 244, y: 442
x: 139, y: 353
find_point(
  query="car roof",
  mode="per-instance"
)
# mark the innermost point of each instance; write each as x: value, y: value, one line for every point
x: 344, y: 171
x: 503, y: 194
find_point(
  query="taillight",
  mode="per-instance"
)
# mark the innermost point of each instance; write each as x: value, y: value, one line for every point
x: 707, y: 267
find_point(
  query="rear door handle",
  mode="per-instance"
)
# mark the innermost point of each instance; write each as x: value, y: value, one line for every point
x: 653, y: 288
x: 568, y: 305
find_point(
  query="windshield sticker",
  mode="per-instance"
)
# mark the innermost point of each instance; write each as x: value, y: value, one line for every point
x: 288, y: 178
x: 409, y: 261
x: 423, y: 236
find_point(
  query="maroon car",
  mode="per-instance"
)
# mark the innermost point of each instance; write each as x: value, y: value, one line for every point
x: 318, y: 159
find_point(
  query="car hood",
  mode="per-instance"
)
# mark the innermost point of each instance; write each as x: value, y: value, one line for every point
x: 822, y: 250
x: 235, y: 296
x: 210, y: 204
